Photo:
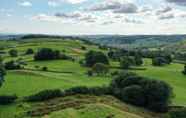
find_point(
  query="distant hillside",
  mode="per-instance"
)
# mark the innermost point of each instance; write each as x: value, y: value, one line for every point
x: 176, y: 47
x: 135, y: 41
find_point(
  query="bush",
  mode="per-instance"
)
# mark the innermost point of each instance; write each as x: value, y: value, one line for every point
x: 29, y: 51
x: 100, y: 69
x: 83, y: 48
x: 45, y: 68
x: 11, y: 65
x: 93, y: 57
x: 13, y: 53
x: 90, y: 73
x: 178, y: 113
x: 4, y: 100
x: 133, y: 94
x: 44, y: 95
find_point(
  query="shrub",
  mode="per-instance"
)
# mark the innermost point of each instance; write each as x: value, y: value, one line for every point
x: 100, y: 69
x: 133, y: 94
x: 44, y: 95
x: 93, y: 57
x: 4, y: 100
x: 29, y: 51
x: 11, y: 65
x: 45, y: 68
x: 13, y: 53
x: 178, y: 113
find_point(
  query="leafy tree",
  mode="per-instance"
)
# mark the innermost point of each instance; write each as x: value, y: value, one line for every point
x: 100, y: 69
x: 13, y: 53
x: 29, y: 51
x: 93, y: 57
x: 138, y: 59
x: 159, y: 61
x: 126, y: 62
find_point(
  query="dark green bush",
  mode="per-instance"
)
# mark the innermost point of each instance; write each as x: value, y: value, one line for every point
x: 44, y: 95
x: 4, y: 100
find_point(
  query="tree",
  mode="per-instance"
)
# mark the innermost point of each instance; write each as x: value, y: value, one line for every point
x: 159, y: 61
x: 13, y: 53
x: 100, y: 69
x: 138, y: 59
x: 29, y: 51
x: 126, y: 62
x: 93, y: 57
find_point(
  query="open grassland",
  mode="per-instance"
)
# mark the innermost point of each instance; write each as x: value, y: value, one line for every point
x: 65, y: 74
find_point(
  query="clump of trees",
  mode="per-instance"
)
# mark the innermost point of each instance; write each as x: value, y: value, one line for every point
x: 152, y: 94
x: 50, y: 54
x: 93, y: 57
x: 13, y: 53
x: 47, y: 54
x: 29, y: 51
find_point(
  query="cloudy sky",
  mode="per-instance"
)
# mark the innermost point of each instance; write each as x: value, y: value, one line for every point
x: 68, y: 17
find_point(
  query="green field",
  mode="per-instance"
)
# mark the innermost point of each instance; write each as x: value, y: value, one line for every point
x: 64, y: 74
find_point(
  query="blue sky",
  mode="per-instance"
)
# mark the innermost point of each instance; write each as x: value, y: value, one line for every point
x: 67, y: 17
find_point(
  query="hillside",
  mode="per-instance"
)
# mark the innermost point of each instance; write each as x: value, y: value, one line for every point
x: 64, y: 74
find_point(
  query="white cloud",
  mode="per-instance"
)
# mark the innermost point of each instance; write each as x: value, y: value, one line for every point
x: 25, y: 4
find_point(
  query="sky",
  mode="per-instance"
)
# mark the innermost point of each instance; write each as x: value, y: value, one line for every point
x: 78, y: 17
